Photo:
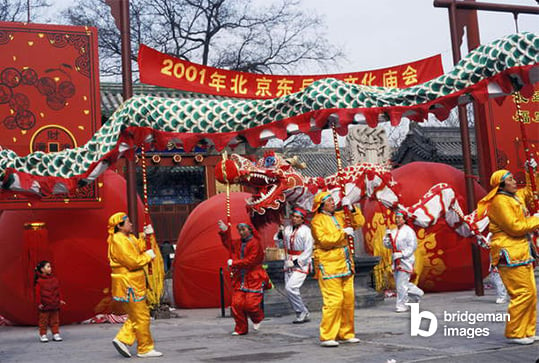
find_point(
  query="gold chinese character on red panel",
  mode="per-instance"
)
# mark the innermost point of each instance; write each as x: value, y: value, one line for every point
x: 524, y: 117
x: 517, y: 97
x: 218, y: 81
x: 389, y: 79
x: 263, y: 87
x: 284, y: 87
x: 52, y: 138
x: 536, y: 117
x: 535, y: 97
x: 368, y: 79
x: 351, y: 79
x: 238, y: 84
x: 409, y: 75
x: 306, y: 82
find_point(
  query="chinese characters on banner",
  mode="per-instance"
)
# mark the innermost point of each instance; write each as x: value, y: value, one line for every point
x: 504, y: 135
x: 49, y: 98
x: 163, y: 70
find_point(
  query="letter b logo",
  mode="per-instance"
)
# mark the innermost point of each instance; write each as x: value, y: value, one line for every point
x: 415, y: 321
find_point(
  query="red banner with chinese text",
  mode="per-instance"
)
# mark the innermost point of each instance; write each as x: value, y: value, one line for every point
x: 49, y: 98
x: 166, y: 71
x: 505, y: 137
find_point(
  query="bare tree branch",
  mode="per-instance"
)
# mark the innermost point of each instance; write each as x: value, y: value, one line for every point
x: 17, y: 10
x: 298, y: 141
x: 233, y: 34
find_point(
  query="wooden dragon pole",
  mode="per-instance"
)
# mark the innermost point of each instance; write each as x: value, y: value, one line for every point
x: 340, y: 180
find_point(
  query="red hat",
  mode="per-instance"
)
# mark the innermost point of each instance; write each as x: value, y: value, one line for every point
x: 300, y: 211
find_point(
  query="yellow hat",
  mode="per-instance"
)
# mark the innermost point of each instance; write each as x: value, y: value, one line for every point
x: 495, y: 180
x: 320, y: 198
x: 116, y: 219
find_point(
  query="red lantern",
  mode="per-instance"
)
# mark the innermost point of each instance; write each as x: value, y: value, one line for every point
x: 226, y: 171
x: 35, y: 248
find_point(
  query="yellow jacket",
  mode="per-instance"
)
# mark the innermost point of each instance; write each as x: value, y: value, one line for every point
x: 127, y: 260
x: 509, y: 226
x: 331, y: 254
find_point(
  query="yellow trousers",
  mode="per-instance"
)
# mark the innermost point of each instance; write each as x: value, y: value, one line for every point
x: 137, y: 326
x: 338, y: 311
x: 520, y: 284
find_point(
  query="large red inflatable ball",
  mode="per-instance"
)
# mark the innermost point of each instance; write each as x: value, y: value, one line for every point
x: 200, y: 253
x: 443, y: 258
x: 77, y: 248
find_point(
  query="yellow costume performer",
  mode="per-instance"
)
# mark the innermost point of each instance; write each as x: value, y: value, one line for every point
x: 128, y: 256
x: 334, y: 270
x: 511, y: 251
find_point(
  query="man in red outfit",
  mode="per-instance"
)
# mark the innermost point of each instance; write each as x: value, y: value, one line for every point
x: 249, y: 279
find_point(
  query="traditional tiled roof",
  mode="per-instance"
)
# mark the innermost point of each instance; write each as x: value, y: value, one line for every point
x: 436, y: 144
x: 112, y: 95
x: 319, y: 161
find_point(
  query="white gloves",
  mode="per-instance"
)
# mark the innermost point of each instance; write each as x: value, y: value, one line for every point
x: 531, y: 163
x: 346, y: 202
x: 352, y: 192
x: 288, y: 264
x: 148, y: 229
x: 397, y: 255
x: 349, y: 231
x: 229, y: 262
x: 222, y: 226
x: 151, y: 253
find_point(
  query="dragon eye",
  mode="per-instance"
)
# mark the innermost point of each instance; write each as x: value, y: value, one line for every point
x: 269, y: 161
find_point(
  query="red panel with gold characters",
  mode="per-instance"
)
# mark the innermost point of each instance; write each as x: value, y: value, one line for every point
x: 164, y: 70
x: 49, y: 98
x: 504, y: 134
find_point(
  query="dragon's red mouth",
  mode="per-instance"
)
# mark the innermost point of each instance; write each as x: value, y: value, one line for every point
x: 269, y: 191
x: 260, y: 179
x: 270, y: 197
x: 262, y: 196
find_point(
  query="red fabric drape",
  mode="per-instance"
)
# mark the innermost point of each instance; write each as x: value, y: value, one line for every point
x: 35, y: 249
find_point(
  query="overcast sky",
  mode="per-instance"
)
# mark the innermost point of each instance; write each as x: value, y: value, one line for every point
x: 382, y: 33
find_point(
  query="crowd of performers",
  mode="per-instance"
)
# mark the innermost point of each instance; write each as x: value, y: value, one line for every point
x: 323, y: 246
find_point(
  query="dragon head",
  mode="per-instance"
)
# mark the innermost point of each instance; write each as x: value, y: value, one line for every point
x: 272, y: 177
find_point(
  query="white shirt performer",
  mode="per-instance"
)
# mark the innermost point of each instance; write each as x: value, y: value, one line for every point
x: 403, y: 242
x: 298, y: 244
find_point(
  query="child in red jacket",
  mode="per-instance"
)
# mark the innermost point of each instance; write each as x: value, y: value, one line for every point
x: 48, y: 300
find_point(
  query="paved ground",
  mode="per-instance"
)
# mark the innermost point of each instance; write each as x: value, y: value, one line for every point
x: 202, y: 336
